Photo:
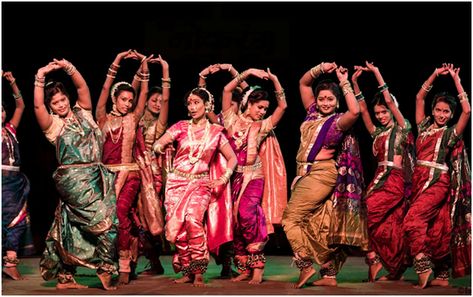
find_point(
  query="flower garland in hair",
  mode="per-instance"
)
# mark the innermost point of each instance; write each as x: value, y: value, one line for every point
x: 247, y: 94
x: 115, y: 87
x: 209, y: 106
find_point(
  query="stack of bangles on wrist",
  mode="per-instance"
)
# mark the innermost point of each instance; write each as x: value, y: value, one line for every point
x: 112, y: 71
x: 241, y: 77
x: 346, y: 87
x: 17, y: 97
x: 317, y: 70
x: 359, y: 96
x: 426, y: 87
x: 383, y: 88
x: 463, y: 97
x: 70, y: 69
x: 39, y: 81
x: 166, y: 83
x: 140, y: 76
x: 226, y: 176
x: 280, y: 95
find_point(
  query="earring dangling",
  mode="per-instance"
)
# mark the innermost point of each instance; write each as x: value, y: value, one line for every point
x: 338, y: 105
x: 188, y: 113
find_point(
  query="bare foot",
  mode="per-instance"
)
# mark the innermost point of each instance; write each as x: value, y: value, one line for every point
x: 373, y: 271
x: 325, y: 281
x: 304, y: 276
x: 12, y: 272
x: 70, y: 285
x: 423, y: 279
x: 199, y: 280
x: 124, y: 278
x: 390, y: 277
x: 184, y: 279
x: 257, y: 276
x: 241, y: 277
x: 106, y: 279
x: 439, y: 282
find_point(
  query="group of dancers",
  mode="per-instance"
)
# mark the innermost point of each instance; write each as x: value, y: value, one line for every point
x: 215, y: 184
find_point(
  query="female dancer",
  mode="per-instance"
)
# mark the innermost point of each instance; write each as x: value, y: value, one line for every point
x: 15, y: 186
x: 152, y: 126
x: 246, y: 132
x: 319, y: 224
x: 387, y: 194
x: 119, y: 130
x: 437, y: 225
x: 189, y: 186
x: 83, y: 232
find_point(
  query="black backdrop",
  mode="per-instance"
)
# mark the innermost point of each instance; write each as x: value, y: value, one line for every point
x: 406, y: 40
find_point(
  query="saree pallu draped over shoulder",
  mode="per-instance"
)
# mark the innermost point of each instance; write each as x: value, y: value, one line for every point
x: 84, y: 228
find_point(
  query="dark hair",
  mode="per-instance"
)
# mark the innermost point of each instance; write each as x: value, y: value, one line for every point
x: 378, y: 99
x: 328, y: 84
x: 258, y: 94
x: 154, y: 90
x: 201, y: 92
x: 124, y: 87
x: 445, y: 98
x: 237, y: 95
x: 51, y: 89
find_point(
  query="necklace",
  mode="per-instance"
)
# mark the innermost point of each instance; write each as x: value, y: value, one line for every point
x: 197, y: 145
x: 9, y: 141
x: 115, y: 123
x: 242, y: 130
x: 431, y: 130
x: 72, y: 124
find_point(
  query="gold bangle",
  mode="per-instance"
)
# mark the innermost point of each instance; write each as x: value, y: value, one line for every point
x: 426, y: 87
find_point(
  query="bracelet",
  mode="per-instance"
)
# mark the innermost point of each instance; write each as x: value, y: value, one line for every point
x: 359, y: 96
x: 202, y: 76
x: 142, y: 60
x: 463, y: 96
x: 166, y: 79
x: 13, y: 82
x: 17, y: 96
x: 166, y: 84
x: 241, y: 77
x: 230, y: 69
x: 114, y: 66
x: 39, y: 84
x: 346, y: 87
x: 316, y: 71
x: 70, y: 69
x: 426, y: 88
x: 111, y: 76
x: 226, y: 176
x: 39, y: 79
x: 280, y: 95
x: 383, y: 88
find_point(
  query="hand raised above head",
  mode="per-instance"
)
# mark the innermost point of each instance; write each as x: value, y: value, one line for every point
x: 328, y: 67
x: 370, y: 67
x: 357, y: 73
x: 342, y: 73
x: 8, y: 76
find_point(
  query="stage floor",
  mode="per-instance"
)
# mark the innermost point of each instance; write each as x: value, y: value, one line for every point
x: 278, y: 279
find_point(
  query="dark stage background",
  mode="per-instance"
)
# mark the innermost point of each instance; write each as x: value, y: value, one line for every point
x: 405, y: 40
